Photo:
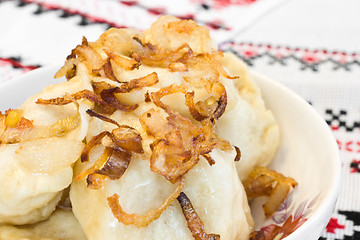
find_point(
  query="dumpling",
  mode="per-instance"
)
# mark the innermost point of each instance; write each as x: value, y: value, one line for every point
x: 215, y: 192
x: 61, y: 225
x: 40, y: 144
x: 192, y: 114
x: 247, y: 123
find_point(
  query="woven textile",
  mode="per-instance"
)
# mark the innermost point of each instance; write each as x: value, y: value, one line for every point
x: 312, y: 47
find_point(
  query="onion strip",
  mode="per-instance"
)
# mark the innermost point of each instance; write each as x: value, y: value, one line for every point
x: 142, y: 220
x: 194, y: 222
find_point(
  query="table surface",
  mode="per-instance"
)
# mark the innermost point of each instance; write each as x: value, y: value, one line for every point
x: 312, y: 47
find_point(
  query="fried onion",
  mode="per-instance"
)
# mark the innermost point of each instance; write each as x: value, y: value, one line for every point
x: 208, y: 108
x: 66, y: 100
x: 194, y: 222
x: 142, y: 220
x: 265, y: 182
x: 14, y: 135
x: 152, y: 55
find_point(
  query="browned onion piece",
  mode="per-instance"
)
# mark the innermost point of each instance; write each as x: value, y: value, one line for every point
x: 108, y: 95
x: 93, y: 141
x: 177, y: 67
x: 99, y: 86
x: 266, y: 182
x: 170, y: 161
x: 109, y: 71
x: 68, y: 69
x: 195, y: 113
x: 208, y: 158
x: 146, y: 81
x: 238, y: 154
x: 123, y: 62
x: 194, y: 222
x: 116, y: 164
x: 128, y: 138
x: 147, y: 97
x: 179, y: 142
x: 66, y: 100
x: 96, y: 181
x: 125, y: 137
x: 206, y: 109
x: 99, y: 163
x: 142, y: 220
x: 62, y: 126
x: 160, y: 57
x: 88, y: 55
x: 92, y: 113
x: 222, y: 102
x: 173, y: 88
x: 208, y: 126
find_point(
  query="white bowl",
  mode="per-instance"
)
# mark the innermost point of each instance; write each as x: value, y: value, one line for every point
x: 308, y: 151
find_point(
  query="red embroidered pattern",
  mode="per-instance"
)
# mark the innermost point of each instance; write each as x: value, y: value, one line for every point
x: 333, y: 225
x: 86, y: 18
x: 16, y: 63
x: 218, y: 4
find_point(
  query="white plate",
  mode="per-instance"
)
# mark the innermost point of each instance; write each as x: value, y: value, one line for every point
x: 308, y: 151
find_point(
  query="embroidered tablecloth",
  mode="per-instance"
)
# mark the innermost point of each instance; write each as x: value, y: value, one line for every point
x: 312, y: 47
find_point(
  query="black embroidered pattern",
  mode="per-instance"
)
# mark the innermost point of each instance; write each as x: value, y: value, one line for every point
x: 87, y: 19
x: 17, y: 63
x: 353, y: 217
x: 355, y: 166
x: 336, y: 120
x: 308, y: 59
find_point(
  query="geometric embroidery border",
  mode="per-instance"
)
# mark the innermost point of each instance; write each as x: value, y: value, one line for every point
x: 308, y: 58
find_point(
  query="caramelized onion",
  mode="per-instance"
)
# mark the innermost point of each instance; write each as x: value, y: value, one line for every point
x: 238, y: 154
x: 96, y: 181
x: 92, y: 113
x: 116, y: 164
x: 170, y: 161
x: 125, y: 63
x: 88, y: 55
x: 146, y: 81
x: 68, y: 69
x: 265, y: 182
x: 99, y: 163
x: 152, y: 55
x: 108, y: 70
x: 128, y: 138
x: 177, y: 146
x: 194, y: 222
x: 208, y: 158
x: 206, y: 109
x: 179, y: 143
x: 66, y: 100
x: 142, y: 220
x: 13, y: 135
x: 93, y: 141
x: 108, y: 95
